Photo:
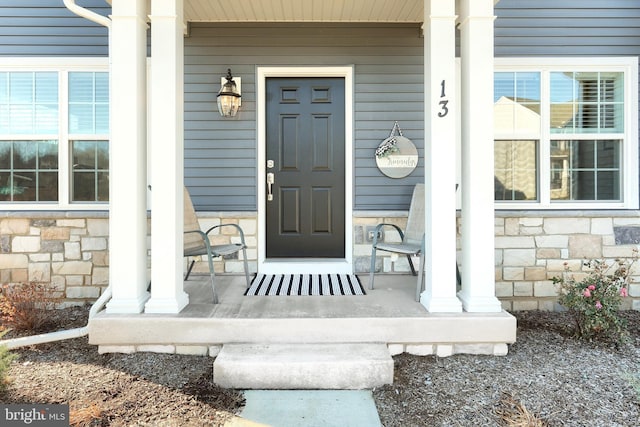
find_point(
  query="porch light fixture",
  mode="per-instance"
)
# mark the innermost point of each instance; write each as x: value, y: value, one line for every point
x: 229, y: 96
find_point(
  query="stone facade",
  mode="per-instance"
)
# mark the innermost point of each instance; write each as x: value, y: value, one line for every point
x: 532, y: 248
x: 71, y: 250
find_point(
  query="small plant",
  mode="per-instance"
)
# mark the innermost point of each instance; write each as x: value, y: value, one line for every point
x: 6, y: 357
x: 514, y: 414
x: 27, y: 306
x: 85, y: 416
x: 634, y: 382
x: 594, y: 302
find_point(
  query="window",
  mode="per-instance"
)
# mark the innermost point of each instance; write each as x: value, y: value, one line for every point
x: 89, y: 116
x: 90, y: 171
x: 566, y: 133
x: 54, y: 128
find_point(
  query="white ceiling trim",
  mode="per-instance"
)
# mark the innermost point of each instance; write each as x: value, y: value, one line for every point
x: 400, y: 11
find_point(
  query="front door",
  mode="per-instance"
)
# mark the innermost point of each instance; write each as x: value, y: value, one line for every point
x: 305, y: 152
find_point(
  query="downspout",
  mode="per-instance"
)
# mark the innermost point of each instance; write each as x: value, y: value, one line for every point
x: 106, y: 295
x: 60, y: 335
x: 86, y: 13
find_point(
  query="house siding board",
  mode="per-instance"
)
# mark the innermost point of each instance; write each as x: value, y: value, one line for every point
x: 47, y: 28
x: 567, y: 28
x: 388, y: 80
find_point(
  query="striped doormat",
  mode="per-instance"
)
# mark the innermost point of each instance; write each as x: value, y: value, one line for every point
x: 305, y: 284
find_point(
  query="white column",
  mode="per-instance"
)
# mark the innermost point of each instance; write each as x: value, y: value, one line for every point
x: 478, y: 254
x: 440, y: 157
x: 167, y: 152
x: 127, y: 192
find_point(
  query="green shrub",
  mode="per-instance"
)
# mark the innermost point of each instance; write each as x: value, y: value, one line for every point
x: 594, y: 301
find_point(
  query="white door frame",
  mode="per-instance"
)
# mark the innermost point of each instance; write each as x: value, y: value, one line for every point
x: 305, y: 265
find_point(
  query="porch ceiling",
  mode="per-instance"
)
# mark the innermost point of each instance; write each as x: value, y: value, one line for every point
x: 303, y: 11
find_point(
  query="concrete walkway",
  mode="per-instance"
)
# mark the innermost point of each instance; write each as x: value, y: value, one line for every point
x: 308, y: 408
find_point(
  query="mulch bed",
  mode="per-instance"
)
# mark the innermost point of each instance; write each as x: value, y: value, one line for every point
x: 548, y: 376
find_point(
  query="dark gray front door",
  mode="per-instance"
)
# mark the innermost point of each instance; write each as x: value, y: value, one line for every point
x: 305, y: 153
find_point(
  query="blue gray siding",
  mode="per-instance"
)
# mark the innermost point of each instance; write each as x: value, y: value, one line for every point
x: 47, y: 28
x: 220, y: 165
x: 567, y: 28
x: 388, y: 76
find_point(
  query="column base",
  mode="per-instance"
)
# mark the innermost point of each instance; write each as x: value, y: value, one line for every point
x: 127, y: 306
x: 479, y: 304
x: 167, y: 305
x: 440, y: 305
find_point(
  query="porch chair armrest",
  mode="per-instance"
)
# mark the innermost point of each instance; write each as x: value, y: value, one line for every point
x: 380, y: 227
x: 228, y: 225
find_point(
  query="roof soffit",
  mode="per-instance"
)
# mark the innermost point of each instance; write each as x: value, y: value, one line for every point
x: 392, y: 11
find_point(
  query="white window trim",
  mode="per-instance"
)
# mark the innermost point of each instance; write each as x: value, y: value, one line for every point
x: 627, y: 65
x: 63, y: 66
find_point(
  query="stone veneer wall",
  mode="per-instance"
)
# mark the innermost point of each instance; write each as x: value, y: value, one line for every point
x: 70, y: 249
x: 531, y: 247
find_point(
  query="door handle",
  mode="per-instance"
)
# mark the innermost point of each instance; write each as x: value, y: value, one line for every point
x: 270, y: 181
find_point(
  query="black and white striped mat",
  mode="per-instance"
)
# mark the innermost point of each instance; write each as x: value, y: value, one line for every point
x: 305, y: 284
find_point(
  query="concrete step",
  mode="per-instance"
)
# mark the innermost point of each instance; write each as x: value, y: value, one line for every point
x: 352, y: 366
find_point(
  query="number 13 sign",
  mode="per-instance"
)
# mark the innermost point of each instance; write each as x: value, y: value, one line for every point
x: 444, y: 110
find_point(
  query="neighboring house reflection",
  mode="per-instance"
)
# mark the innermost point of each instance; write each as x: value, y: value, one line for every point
x: 503, y: 193
x: 516, y: 158
x: 517, y: 130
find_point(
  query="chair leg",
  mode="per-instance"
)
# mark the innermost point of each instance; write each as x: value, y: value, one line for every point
x: 193, y: 261
x: 372, y: 269
x: 413, y: 269
x: 420, y: 278
x: 213, y: 278
x: 213, y: 287
x: 246, y: 267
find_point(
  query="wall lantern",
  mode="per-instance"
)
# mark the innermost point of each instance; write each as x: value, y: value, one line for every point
x: 229, y: 96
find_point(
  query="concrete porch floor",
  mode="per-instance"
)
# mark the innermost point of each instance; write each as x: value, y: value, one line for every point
x: 388, y: 314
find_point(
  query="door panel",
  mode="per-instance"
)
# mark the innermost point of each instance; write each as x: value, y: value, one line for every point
x: 290, y: 210
x: 305, y: 139
x: 321, y: 210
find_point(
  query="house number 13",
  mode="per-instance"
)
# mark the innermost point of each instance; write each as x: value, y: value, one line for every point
x: 443, y: 103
